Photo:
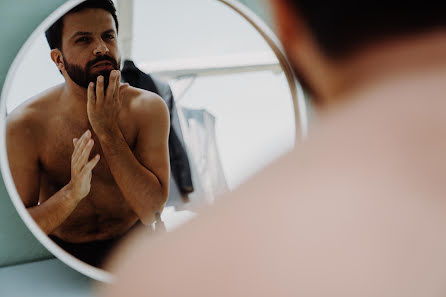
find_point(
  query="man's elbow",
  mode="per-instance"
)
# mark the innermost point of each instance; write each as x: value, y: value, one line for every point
x: 163, y: 195
x: 158, y: 204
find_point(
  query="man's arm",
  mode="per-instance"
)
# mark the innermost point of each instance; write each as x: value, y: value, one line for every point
x: 141, y: 175
x: 24, y: 166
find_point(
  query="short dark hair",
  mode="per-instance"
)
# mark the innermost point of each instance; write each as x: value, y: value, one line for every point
x: 342, y: 27
x: 54, y: 33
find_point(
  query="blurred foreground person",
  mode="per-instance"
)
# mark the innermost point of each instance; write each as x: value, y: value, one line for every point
x: 360, y: 209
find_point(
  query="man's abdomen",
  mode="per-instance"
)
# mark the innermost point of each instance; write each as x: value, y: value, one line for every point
x: 103, y: 214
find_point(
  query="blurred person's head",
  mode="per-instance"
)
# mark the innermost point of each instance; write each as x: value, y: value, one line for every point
x: 328, y: 42
x: 83, y: 42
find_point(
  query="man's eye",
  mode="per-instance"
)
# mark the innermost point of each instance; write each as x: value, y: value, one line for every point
x: 83, y: 39
x: 109, y: 36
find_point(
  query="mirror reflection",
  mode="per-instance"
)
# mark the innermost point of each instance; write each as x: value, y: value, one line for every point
x: 137, y: 121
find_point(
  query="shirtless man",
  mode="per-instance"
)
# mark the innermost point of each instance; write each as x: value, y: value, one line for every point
x: 360, y: 208
x: 89, y: 157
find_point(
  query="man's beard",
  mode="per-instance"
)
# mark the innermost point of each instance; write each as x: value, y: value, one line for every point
x: 83, y: 76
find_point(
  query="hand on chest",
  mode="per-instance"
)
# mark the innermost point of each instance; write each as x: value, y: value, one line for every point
x: 57, y: 150
x: 57, y: 147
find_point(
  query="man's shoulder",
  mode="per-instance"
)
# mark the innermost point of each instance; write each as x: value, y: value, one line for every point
x: 140, y: 101
x: 35, y: 109
x: 37, y: 105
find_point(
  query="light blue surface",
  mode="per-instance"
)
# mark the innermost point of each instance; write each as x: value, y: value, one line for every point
x: 49, y: 278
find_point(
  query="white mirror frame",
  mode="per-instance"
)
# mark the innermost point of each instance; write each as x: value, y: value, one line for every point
x: 300, y: 115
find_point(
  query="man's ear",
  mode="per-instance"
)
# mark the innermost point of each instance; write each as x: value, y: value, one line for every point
x: 289, y: 25
x: 56, y: 56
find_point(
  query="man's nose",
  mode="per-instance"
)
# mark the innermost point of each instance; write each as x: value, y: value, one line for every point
x: 100, y: 48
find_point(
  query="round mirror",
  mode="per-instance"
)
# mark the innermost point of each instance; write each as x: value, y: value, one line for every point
x: 231, y: 103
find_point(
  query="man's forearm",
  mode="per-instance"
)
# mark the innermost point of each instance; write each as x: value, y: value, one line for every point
x: 142, y: 189
x: 53, y: 212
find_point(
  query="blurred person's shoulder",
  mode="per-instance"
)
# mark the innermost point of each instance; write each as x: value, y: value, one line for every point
x: 361, y: 199
x: 386, y: 137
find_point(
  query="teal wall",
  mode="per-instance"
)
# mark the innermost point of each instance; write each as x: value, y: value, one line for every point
x: 18, y: 19
x: 261, y: 8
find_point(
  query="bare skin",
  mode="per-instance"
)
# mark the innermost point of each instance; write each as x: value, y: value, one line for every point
x: 358, y: 210
x: 89, y: 163
x: 47, y: 173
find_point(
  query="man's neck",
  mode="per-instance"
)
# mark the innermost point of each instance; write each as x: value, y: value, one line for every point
x: 75, y: 99
x: 384, y: 63
x: 75, y: 92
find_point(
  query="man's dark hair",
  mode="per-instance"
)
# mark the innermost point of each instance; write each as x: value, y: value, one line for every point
x: 344, y: 26
x: 54, y: 33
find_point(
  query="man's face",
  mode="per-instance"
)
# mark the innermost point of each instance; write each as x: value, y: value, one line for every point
x: 89, y: 46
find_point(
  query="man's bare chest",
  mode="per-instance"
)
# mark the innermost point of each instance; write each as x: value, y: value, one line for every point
x: 56, y: 149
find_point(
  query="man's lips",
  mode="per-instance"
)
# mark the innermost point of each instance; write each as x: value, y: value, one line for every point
x: 102, y: 65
